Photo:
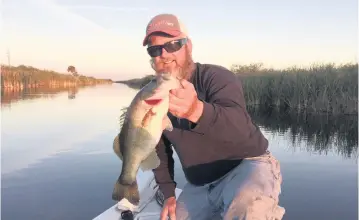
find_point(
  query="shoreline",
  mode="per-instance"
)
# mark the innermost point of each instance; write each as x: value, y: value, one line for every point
x: 320, y: 89
x: 23, y: 77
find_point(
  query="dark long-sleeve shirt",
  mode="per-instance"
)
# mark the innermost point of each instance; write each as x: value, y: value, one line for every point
x: 218, y: 142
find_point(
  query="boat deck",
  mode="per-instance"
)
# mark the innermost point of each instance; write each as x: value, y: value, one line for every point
x: 148, y: 209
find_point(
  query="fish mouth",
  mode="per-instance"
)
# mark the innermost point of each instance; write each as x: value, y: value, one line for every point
x: 155, y: 98
x: 153, y: 102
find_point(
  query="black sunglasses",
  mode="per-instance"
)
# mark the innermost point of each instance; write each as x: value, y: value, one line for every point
x: 170, y: 47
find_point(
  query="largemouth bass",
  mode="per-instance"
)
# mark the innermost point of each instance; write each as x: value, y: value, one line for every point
x: 145, y: 120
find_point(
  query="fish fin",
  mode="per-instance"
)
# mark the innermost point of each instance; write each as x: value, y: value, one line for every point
x: 123, y: 115
x: 151, y: 162
x: 116, y: 147
x: 124, y: 191
x: 168, y: 123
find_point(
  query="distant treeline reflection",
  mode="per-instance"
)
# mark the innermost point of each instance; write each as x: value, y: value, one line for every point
x: 13, y: 96
x: 322, y: 133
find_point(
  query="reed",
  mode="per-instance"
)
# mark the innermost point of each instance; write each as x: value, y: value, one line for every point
x: 319, y: 89
x: 325, y: 88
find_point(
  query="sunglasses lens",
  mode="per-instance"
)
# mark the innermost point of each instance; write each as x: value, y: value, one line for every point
x: 154, y: 51
x: 173, y: 46
x: 170, y: 47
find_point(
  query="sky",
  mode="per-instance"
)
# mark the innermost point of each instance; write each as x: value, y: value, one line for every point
x: 104, y: 38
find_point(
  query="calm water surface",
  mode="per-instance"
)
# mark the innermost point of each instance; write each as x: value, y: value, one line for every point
x: 57, y: 161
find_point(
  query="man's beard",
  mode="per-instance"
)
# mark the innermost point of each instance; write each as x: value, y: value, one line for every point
x: 182, y: 72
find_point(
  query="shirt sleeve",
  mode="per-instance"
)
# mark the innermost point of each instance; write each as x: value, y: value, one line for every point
x: 224, y: 115
x: 164, y: 173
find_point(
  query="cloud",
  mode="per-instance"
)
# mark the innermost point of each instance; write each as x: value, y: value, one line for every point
x: 45, y: 16
x: 107, y: 8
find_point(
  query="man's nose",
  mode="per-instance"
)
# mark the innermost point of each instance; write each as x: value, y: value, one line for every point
x: 164, y: 53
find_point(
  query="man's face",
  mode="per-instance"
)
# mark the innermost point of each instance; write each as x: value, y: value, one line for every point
x: 176, y: 62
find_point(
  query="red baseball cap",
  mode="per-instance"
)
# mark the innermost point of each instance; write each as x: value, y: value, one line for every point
x: 166, y: 23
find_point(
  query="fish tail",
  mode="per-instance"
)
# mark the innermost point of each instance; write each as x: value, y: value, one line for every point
x: 128, y: 191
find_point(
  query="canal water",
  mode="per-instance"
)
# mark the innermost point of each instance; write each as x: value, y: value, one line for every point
x: 57, y: 161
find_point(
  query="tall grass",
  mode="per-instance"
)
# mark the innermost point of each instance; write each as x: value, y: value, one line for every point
x: 320, y: 89
x: 22, y: 77
x: 327, y: 89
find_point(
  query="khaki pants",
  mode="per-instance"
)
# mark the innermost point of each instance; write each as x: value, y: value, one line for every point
x: 250, y: 191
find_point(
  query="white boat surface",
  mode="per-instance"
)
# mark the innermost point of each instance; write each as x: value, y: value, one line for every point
x: 148, y: 209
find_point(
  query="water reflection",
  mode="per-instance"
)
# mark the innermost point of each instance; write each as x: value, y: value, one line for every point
x: 61, y: 156
x: 42, y: 127
x: 12, y: 96
x: 321, y: 133
x: 72, y: 92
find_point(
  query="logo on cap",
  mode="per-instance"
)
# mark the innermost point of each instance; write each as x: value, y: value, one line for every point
x: 159, y: 23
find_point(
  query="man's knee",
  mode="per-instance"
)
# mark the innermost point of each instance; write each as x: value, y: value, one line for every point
x: 250, y: 205
x: 258, y: 175
x: 253, y: 191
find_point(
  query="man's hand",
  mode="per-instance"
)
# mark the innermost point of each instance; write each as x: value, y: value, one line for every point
x: 184, y: 102
x: 169, y: 209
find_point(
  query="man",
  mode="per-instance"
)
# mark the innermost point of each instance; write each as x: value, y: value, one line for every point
x: 230, y: 172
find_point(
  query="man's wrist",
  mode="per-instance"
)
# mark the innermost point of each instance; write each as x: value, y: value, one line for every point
x: 196, y: 112
x: 170, y: 198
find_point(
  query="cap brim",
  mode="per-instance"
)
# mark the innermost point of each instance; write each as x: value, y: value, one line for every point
x: 173, y: 33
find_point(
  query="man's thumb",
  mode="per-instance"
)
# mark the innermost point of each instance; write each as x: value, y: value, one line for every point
x: 185, y: 83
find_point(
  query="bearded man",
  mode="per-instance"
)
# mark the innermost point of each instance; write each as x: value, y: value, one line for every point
x: 230, y: 172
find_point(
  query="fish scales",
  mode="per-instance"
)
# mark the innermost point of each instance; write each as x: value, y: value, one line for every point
x: 145, y: 120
